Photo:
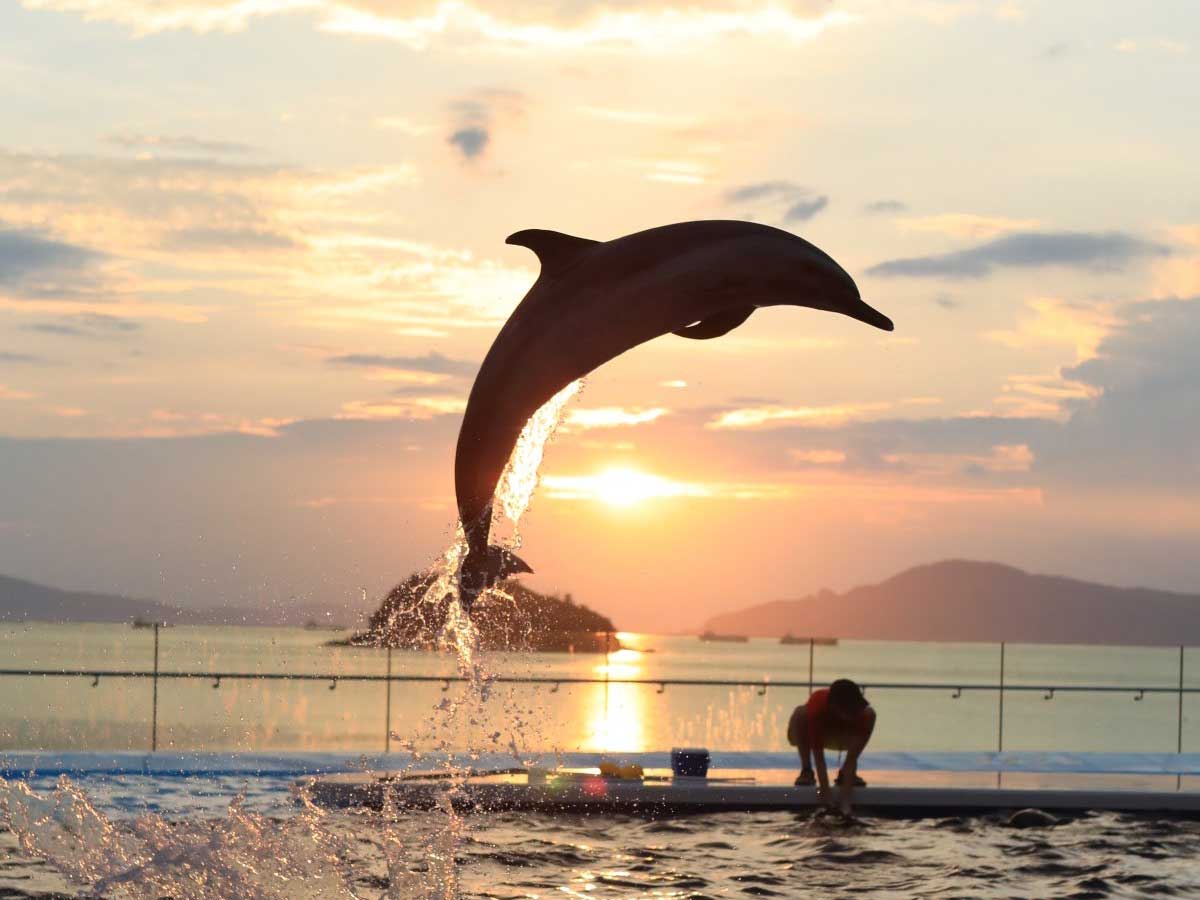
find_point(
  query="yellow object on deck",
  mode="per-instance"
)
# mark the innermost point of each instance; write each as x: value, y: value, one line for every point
x: 628, y: 772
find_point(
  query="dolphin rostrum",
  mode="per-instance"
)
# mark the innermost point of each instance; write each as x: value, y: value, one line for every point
x: 596, y: 299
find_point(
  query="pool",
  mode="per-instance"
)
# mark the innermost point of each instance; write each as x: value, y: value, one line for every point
x: 223, y: 825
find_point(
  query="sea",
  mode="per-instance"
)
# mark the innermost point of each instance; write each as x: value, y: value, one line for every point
x: 928, y: 696
x: 224, y: 837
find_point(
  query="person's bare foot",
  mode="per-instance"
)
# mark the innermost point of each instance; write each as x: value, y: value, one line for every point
x: 806, y: 778
x: 858, y: 782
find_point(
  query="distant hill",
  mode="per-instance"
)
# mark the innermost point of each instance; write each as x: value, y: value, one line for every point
x: 530, y: 621
x: 22, y: 601
x: 961, y: 600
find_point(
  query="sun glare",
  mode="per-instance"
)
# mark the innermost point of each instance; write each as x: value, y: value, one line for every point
x: 623, y: 487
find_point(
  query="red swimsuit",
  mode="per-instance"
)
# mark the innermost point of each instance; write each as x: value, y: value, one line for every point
x: 827, y: 731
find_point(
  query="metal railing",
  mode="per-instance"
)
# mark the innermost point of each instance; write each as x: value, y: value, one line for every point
x: 956, y: 690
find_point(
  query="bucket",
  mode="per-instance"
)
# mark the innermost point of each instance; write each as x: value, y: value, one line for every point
x: 689, y: 762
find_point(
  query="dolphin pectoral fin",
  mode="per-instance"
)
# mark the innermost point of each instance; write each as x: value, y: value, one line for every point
x: 716, y: 325
x: 555, y: 251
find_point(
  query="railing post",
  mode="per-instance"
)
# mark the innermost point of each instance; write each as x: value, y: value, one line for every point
x: 1179, y: 730
x: 607, y: 648
x: 811, y: 642
x: 1000, y: 716
x: 1179, y: 723
x: 387, y: 715
x: 154, y: 698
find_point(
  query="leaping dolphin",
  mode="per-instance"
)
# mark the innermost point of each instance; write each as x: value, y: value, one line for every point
x: 596, y: 299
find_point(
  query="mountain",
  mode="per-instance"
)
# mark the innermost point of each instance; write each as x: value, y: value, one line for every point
x: 961, y: 600
x: 24, y: 600
x: 529, y: 621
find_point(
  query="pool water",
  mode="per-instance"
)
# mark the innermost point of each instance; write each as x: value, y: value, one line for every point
x: 225, y: 836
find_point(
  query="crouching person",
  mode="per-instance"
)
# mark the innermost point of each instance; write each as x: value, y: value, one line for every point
x: 836, y: 718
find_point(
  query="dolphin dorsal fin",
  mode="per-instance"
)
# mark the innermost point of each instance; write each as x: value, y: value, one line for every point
x: 555, y: 251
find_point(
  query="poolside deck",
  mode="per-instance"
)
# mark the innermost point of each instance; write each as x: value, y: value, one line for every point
x: 906, y: 794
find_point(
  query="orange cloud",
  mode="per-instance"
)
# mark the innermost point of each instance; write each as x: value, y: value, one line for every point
x: 966, y: 225
x: 1056, y: 321
x: 612, y: 417
x: 769, y: 416
x: 626, y: 486
x: 407, y: 408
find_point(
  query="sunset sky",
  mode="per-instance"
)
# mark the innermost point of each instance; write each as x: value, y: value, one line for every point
x: 252, y: 252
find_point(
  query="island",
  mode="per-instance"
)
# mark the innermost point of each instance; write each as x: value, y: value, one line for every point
x: 528, y: 622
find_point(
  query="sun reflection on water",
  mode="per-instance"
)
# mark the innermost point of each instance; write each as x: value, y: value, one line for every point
x: 616, y: 718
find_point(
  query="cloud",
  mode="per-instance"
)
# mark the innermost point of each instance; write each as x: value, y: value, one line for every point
x: 640, y: 117
x: 432, y: 362
x: 792, y: 202
x: 474, y: 119
x: 418, y: 23
x: 1103, y: 252
x: 625, y: 487
x: 1054, y: 51
x: 7, y: 356
x: 879, y: 207
x: 749, y: 193
x: 414, y: 408
x: 1139, y: 423
x: 88, y: 325
x: 1056, y: 321
x: 470, y: 141
x: 774, y: 416
x: 179, y: 143
x: 7, y: 393
x: 966, y: 225
x: 33, y: 264
x: 202, y: 239
x: 612, y: 417
x: 804, y: 210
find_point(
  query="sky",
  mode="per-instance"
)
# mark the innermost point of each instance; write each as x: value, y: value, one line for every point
x: 252, y: 253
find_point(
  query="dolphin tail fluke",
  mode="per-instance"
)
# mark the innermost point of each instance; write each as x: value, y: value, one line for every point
x: 502, y: 563
x: 477, y: 575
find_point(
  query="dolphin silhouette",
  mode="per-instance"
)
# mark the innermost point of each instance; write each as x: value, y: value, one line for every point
x: 596, y: 299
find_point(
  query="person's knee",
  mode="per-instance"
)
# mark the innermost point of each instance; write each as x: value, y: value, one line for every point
x: 797, y: 727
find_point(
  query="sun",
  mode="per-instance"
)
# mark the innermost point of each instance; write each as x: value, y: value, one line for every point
x: 620, y: 487
x: 626, y: 487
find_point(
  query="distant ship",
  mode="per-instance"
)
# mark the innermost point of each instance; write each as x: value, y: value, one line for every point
x: 313, y: 625
x: 727, y: 638
x: 789, y: 638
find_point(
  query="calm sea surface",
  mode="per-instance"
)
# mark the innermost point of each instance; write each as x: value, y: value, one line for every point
x: 115, y: 713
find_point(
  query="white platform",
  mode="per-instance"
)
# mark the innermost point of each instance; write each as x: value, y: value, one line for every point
x: 660, y: 795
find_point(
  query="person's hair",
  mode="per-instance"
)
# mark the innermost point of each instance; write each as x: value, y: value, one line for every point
x: 846, y: 695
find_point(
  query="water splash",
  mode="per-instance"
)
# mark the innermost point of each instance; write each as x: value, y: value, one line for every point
x: 309, y: 854
x: 520, y: 477
x: 246, y: 854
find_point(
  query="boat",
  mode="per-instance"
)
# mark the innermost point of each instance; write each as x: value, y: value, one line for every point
x: 726, y: 638
x: 789, y: 638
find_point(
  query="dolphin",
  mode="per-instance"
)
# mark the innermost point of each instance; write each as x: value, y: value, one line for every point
x: 596, y: 299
